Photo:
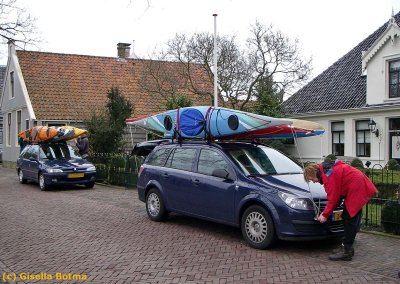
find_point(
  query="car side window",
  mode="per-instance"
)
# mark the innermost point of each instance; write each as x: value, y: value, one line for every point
x: 25, y: 153
x: 34, y: 151
x: 209, y: 161
x: 182, y: 159
x: 159, y: 157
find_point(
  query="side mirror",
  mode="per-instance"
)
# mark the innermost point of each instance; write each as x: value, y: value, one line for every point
x: 221, y: 173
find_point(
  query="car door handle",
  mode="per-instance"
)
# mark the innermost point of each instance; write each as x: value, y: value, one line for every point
x: 165, y: 175
x: 196, y: 182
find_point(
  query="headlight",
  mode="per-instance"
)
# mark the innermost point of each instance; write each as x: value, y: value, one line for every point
x: 54, y: 171
x: 91, y: 169
x: 296, y: 202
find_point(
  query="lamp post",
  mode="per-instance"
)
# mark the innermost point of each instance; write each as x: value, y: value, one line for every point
x: 215, y: 62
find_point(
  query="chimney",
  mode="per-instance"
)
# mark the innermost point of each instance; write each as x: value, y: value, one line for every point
x: 123, y: 50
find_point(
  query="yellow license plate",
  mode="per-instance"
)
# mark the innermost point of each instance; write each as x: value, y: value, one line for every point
x: 76, y: 175
x: 337, y: 215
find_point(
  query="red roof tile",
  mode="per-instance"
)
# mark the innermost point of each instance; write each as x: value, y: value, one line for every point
x: 71, y: 87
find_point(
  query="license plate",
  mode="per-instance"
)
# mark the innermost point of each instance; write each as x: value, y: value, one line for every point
x: 337, y: 215
x: 76, y: 175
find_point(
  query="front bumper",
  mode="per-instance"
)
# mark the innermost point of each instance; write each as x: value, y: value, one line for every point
x: 67, y: 179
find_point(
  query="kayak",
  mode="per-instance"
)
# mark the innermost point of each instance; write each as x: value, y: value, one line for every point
x: 38, y: 134
x: 67, y: 132
x: 297, y: 129
x: 205, y: 122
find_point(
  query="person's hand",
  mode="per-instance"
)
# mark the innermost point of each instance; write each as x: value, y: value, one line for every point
x: 322, y: 219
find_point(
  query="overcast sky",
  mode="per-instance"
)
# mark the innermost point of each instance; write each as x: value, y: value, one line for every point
x: 326, y: 29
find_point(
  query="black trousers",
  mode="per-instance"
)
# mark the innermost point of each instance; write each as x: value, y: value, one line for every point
x: 351, y: 226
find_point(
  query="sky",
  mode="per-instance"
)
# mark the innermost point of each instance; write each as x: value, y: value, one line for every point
x: 326, y: 29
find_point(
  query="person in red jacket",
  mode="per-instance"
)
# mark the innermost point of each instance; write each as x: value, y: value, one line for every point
x: 342, y: 182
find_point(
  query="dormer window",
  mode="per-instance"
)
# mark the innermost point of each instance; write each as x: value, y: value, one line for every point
x: 394, y: 79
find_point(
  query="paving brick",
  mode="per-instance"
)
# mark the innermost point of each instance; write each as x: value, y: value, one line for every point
x: 105, y: 233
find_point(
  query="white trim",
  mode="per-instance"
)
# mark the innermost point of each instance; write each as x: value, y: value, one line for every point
x: 392, y: 31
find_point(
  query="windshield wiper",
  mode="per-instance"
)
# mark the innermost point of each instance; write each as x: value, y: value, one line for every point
x: 258, y: 175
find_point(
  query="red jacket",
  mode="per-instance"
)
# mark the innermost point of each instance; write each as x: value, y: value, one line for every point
x: 344, y: 181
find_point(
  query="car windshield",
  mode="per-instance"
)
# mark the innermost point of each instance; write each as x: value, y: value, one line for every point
x: 263, y: 161
x: 58, y: 152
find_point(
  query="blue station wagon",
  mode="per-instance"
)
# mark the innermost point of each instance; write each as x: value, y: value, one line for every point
x: 254, y: 187
x: 52, y: 164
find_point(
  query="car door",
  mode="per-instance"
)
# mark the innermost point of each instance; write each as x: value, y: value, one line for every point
x: 212, y: 196
x: 32, y: 163
x: 176, y: 178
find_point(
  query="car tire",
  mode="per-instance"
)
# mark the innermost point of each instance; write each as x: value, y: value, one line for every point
x: 21, y: 177
x: 155, y: 206
x: 257, y: 227
x: 42, y: 184
x: 89, y: 185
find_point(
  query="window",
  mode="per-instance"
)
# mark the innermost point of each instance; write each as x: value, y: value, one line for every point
x: 183, y: 159
x: 394, y: 79
x: 209, y: 161
x: 19, y: 121
x: 159, y: 157
x: 363, y: 139
x: 9, y: 129
x: 1, y: 130
x: 12, y: 93
x: 338, y: 138
x: 26, y: 124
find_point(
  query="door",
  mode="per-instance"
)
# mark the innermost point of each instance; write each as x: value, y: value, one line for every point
x: 176, y: 179
x: 31, y: 163
x: 394, y: 139
x: 212, y: 196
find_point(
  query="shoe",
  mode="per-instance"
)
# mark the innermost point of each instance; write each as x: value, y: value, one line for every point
x: 341, y: 248
x: 342, y: 255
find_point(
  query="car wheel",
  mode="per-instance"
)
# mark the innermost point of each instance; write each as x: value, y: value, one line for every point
x: 257, y: 227
x: 155, y: 206
x: 21, y: 177
x: 42, y: 183
x: 89, y: 185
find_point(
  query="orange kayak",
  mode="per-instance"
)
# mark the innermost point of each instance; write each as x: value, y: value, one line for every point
x: 38, y: 134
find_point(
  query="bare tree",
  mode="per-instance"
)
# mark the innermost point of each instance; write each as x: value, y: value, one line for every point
x: 267, y: 54
x: 16, y: 25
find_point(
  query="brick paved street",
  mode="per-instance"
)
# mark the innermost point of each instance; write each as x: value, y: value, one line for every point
x: 105, y: 233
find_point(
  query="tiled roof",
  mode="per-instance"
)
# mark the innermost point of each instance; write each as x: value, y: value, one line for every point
x: 341, y: 86
x: 71, y: 87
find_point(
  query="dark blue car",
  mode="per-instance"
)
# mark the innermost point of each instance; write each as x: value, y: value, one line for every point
x: 52, y: 164
x: 250, y: 186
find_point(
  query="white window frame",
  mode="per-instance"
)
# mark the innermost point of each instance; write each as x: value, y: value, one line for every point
x: 8, y: 127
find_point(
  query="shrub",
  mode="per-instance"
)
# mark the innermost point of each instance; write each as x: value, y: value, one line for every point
x: 357, y: 163
x: 391, y: 217
x: 330, y: 158
x: 392, y: 164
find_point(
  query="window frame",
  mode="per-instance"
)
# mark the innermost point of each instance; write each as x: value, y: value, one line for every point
x: 340, y: 133
x: 365, y: 146
x: 8, y: 134
x: 394, y: 72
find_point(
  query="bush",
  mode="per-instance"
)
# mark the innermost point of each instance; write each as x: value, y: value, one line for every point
x: 357, y: 163
x: 392, y: 164
x: 330, y: 158
x: 391, y: 217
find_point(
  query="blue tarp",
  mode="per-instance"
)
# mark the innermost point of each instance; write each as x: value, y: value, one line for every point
x: 191, y: 122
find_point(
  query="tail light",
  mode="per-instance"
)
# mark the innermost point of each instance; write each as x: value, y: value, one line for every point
x: 140, y: 170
